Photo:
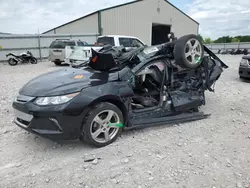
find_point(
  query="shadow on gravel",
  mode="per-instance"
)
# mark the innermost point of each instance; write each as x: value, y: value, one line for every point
x: 62, y: 65
x: 247, y: 80
x: 34, y: 142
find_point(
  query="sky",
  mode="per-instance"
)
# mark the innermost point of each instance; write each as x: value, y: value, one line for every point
x: 216, y: 17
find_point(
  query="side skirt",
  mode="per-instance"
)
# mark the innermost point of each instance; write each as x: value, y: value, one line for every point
x: 181, y: 118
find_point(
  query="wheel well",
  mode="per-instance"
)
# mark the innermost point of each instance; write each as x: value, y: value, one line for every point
x: 117, y: 103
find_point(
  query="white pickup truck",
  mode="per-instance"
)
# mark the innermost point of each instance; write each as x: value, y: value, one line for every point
x: 82, y: 53
x: 60, y: 50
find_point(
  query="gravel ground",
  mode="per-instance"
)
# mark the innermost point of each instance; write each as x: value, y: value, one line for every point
x: 207, y: 153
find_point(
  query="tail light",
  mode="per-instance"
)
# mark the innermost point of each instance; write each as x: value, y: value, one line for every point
x: 94, y: 59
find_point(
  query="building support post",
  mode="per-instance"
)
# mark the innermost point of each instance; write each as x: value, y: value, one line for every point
x: 99, y: 23
x: 39, y: 47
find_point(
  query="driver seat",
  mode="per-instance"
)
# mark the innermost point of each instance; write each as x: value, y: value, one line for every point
x: 153, y: 80
x: 157, y: 74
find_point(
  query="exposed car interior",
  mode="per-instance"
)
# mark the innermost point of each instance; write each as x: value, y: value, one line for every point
x: 148, y: 86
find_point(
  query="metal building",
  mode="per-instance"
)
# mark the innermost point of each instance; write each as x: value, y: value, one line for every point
x: 149, y: 20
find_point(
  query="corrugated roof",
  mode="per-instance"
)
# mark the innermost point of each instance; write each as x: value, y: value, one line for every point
x: 5, y: 33
x: 101, y: 10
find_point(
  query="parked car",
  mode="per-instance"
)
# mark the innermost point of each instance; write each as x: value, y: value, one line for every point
x: 237, y: 52
x: 224, y: 52
x: 120, y: 89
x: 74, y: 55
x: 244, y: 68
x: 57, y: 49
x: 232, y: 51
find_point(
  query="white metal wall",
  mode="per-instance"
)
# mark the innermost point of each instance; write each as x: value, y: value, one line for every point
x: 216, y: 46
x: 136, y: 19
x: 237, y: 45
x: 36, y: 43
x: 85, y: 25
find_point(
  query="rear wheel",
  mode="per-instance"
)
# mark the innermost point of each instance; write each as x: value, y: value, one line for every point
x: 102, y: 125
x: 57, y: 62
x: 12, y: 62
x: 188, y: 51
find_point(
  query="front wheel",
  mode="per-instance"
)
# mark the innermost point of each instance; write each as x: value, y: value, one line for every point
x: 33, y: 60
x: 57, y: 62
x: 12, y: 62
x: 102, y: 125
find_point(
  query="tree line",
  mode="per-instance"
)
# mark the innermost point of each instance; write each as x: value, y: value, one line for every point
x: 225, y: 39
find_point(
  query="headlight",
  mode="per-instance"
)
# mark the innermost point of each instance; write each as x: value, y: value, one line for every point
x: 244, y: 62
x: 43, y: 101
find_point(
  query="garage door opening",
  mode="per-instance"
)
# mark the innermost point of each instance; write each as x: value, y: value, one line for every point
x: 160, y: 33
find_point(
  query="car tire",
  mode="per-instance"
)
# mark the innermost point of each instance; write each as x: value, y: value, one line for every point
x: 90, y: 127
x: 57, y: 62
x: 188, y: 51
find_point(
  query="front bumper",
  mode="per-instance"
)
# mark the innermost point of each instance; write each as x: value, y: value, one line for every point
x: 54, y: 122
x: 244, y: 72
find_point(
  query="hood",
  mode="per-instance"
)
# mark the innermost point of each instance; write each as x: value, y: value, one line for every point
x: 65, y: 81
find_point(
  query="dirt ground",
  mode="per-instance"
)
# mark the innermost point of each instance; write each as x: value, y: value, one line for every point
x: 208, y: 153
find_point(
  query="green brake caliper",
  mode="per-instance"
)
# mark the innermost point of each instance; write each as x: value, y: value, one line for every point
x: 119, y: 125
x: 198, y: 59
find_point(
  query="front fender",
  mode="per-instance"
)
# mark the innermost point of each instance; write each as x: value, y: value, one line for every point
x: 112, y: 91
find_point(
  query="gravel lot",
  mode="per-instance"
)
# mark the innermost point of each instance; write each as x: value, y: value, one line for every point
x: 207, y: 153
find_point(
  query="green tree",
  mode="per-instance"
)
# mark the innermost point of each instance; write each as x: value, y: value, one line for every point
x: 235, y: 39
x: 244, y: 38
x: 228, y: 39
x: 225, y: 39
x: 208, y: 40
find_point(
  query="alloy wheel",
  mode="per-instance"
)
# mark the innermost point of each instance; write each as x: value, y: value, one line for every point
x: 103, y: 127
x: 193, y: 51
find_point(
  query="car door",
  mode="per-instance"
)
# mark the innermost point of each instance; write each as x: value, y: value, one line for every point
x: 145, y: 115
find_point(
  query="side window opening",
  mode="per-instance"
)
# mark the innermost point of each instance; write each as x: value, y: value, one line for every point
x: 106, y: 41
x: 136, y: 43
x: 147, y: 86
x: 80, y: 43
x: 61, y: 44
x: 70, y: 43
x: 126, y: 42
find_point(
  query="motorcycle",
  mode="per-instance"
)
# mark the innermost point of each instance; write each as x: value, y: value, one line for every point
x: 25, y: 57
x: 245, y: 52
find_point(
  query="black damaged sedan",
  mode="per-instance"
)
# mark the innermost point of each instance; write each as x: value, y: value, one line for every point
x: 118, y: 89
